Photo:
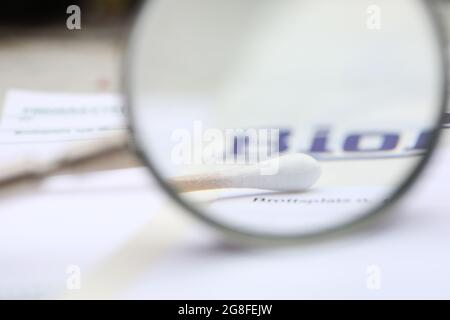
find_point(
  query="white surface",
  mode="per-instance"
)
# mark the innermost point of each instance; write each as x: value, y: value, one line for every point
x: 409, y: 247
x: 127, y: 244
x: 68, y: 220
x: 107, y: 224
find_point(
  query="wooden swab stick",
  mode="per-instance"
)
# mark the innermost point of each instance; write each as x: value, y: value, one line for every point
x: 293, y: 172
x: 89, y: 152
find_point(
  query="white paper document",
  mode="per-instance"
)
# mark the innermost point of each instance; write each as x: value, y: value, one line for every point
x: 403, y: 254
x: 114, y: 234
x: 69, y: 222
x: 40, y: 124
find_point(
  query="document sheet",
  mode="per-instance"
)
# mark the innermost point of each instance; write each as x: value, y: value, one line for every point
x: 114, y: 234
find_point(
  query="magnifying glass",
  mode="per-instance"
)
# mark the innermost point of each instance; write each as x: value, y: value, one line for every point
x: 280, y: 119
x: 303, y: 117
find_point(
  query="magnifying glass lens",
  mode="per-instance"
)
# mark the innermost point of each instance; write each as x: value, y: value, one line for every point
x: 285, y: 118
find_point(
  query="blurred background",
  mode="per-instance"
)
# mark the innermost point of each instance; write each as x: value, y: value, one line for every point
x: 34, y: 37
x: 33, y: 13
x: 38, y: 52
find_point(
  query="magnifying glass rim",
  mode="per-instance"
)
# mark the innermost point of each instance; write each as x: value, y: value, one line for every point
x: 344, y: 227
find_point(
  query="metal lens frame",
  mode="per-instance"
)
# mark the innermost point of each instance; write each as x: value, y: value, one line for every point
x: 337, y: 230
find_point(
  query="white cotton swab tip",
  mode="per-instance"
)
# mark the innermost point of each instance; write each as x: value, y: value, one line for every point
x: 291, y: 172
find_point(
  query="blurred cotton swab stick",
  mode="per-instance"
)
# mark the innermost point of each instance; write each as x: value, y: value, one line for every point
x: 89, y: 153
x: 295, y: 172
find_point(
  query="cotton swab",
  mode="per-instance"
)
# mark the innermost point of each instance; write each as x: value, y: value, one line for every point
x: 294, y: 172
